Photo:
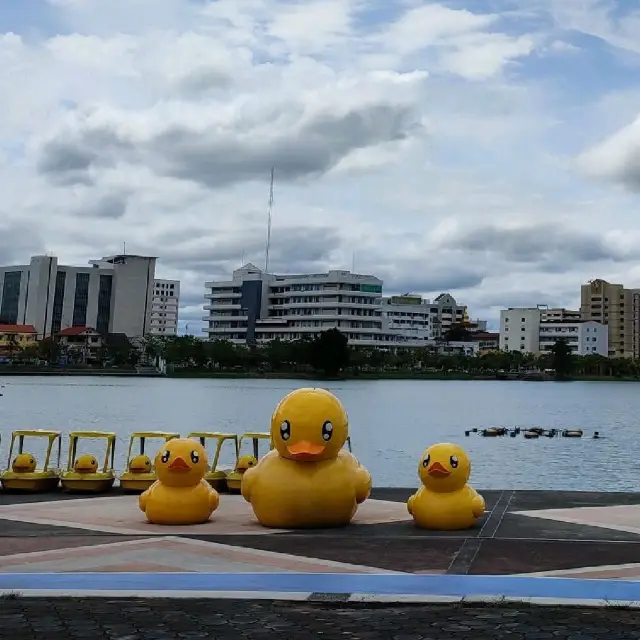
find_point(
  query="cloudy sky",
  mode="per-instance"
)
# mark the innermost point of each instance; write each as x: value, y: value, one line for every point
x: 490, y: 148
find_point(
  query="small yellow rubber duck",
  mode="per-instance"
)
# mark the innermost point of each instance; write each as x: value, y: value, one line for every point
x: 307, y: 480
x: 140, y: 464
x: 445, y: 502
x: 85, y: 463
x: 245, y: 462
x: 24, y: 463
x: 180, y: 495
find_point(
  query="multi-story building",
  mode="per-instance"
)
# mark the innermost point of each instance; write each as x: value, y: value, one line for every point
x: 112, y: 295
x: 257, y: 307
x: 417, y: 320
x: 537, y: 329
x: 520, y: 329
x: 584, y: 337
x: 408, y: 319
x: 614, y: 306
x: 15, y: 337
x: 164, y: 308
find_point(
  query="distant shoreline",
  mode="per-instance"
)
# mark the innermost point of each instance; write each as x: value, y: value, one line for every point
x: 230, y: 375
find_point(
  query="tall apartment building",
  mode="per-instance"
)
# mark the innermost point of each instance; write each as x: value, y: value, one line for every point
x: 537, y: 329
x: 164, y: 308
x: 257, y: 307
x: 112, y: 295
x: 616, y: 307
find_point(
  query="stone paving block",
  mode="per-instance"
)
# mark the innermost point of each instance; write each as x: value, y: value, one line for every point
x: 157, y: 619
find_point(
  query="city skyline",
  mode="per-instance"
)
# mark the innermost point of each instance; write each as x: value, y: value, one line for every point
x: 480, y: 148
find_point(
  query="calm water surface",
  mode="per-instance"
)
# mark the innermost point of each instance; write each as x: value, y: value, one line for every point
x: 391, y: 422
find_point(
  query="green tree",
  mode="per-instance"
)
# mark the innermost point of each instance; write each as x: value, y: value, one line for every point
x: 49, y: 350
x: 330, y: 352
x: 561, y: 359
x: 457, y: 333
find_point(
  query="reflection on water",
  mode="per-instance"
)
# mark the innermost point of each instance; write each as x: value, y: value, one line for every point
x: 392, y: 421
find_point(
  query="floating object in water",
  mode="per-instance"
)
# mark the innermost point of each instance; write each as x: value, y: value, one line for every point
x: 82, y: 473
x: 572, y: 433
x: 22, y: 474
x: 140, y: 474
x: 445, y: 502
x: 596, y: 435
x: 529, y: 435
x: 215, y: 475
x: 234, y: 478
x: 493, y: 432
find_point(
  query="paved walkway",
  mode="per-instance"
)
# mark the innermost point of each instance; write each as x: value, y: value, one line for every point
x: 77, y: 619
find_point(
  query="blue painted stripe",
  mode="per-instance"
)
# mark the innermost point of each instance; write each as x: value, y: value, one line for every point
x: 381, y: 584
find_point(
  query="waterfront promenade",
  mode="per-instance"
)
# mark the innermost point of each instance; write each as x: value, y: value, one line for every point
x: 55, y: 545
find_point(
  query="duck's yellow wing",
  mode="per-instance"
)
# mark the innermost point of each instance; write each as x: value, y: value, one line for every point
x: 362, y: 484
x: 478, y: 505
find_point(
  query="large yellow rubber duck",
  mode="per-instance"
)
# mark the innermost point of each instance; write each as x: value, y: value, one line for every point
x: 24, y: 463
x: 180, y: 495
x: 445, y: 502
x: 307, y: 480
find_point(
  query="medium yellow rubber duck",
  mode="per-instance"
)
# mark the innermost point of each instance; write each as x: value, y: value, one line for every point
x: 86, y: 463
x: 446, y: 502
x: 180, y: 495
x: 307, y: 480
x: 24, y: 463
x: 140, y: 464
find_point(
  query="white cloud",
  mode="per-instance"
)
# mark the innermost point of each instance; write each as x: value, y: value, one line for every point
x: 395, y: 128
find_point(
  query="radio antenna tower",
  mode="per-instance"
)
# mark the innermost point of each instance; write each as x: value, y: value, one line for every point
x: 266, y: 259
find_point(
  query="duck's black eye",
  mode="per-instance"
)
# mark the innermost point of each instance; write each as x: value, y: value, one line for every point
x: 285, y: 430
x: 250, y: 463
x: 165, y: 456
x: 327, y: 431
x: 454, y: 462
x: 32, y: 461
x: 195, y: 457
x: 93, y: 461
x: 426, y: 461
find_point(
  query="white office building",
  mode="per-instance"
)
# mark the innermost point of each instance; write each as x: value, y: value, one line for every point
x: 537, y: 329
x: 164, y: 308
x: 418, y: 321
x: 112, y: 295
x: 257, y: 307
x: 584, y: 337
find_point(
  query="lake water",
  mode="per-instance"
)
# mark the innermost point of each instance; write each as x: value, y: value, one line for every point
x: 391, y: 421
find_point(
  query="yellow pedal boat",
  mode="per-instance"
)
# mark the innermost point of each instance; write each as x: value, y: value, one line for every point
x: 30, y: 478
x: 216, y: 477
x: 140, y: 473
x: 234, y: 478
x: 89, y: 478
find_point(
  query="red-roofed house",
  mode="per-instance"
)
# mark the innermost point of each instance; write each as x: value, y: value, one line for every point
x: 80, y: 343
x: 15, y: 337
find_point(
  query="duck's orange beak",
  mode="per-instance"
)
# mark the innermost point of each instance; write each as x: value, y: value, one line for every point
x: 305, y: 449
x: 438, y: 471
x: 21, y: 467
x: 179, y: 465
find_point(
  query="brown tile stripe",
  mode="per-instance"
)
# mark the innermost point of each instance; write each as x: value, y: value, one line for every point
x: 613, y: 573
x: 75, y: 553
x: 11, y: 546
x: 280, y: 561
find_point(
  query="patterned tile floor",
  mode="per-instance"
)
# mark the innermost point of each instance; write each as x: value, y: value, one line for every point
x: 571, y: 534
x: 162, y: 554
x: 121, y: 515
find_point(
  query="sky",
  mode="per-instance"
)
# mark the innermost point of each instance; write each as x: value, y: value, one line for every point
x: 488, y: 148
